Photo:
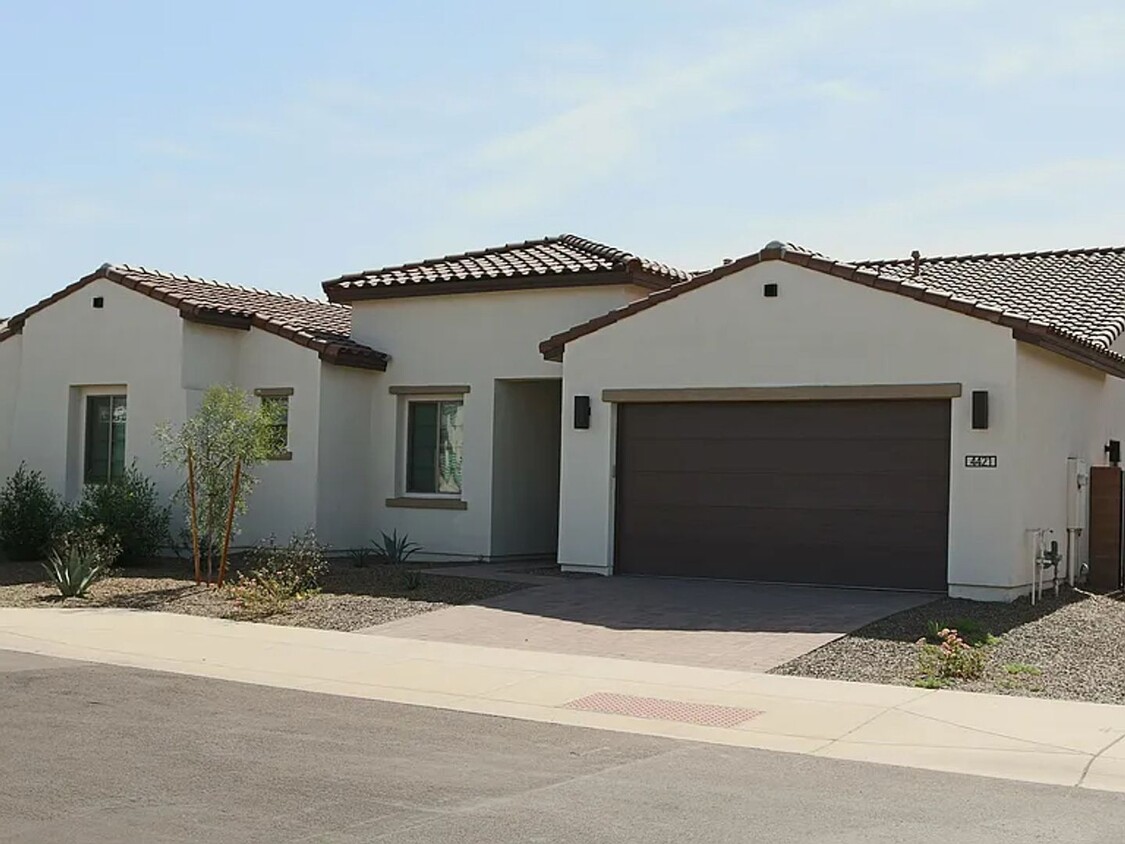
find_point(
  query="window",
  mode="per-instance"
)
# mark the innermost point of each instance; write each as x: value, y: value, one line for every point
x: 433, y: 447
x: 105, y: 439
x: 277, y: 408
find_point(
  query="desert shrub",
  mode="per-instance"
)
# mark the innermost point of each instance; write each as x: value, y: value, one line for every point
x: 79, y: 559
x: 394, y: 549
x: 278, y: 575
x: 953, y: 658
x: 31, y: 515
x: 130, y: 512
x: 969, y: 629
x: 361, y: 557
x: 411, y: 580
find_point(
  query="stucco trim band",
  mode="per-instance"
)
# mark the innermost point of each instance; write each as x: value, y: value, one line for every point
x: 428, y: 503
x: 843, y: 392
x: 429, y: 390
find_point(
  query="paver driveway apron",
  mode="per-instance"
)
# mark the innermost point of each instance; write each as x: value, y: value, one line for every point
x: 711, y: 624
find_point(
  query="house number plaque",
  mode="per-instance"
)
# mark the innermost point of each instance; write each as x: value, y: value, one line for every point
x: 980, y: 461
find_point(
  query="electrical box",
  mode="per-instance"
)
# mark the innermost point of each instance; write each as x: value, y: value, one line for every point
x: 1077, y: 493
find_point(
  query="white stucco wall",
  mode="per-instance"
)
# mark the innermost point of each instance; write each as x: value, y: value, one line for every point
x: 10, y: 354
x: 164, y: 365
x: 461, y: 339
x: 820, y: 330
x: 1065, y: 410
x: 285, y: 501
x: 133, y: 342
x: 345, y: 498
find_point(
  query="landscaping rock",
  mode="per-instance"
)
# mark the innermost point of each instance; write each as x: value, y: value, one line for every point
x: 350, y: 598
x: 1076, y: 642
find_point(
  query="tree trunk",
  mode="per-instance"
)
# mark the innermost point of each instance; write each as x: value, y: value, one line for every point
x: 194, y: 518
x: 230, y: 519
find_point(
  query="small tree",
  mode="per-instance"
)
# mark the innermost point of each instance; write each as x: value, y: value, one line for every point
x: 217, y: 449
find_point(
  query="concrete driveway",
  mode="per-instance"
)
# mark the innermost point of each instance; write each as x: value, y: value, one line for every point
x: 709, y: 624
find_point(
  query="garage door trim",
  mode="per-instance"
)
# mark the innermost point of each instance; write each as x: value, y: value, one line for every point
x: 817, y: 392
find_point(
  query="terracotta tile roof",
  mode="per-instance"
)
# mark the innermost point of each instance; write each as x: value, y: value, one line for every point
x: 1073, y: 303
x: 566, y: 260
x: 1079, y: 291
x: 322, y: 326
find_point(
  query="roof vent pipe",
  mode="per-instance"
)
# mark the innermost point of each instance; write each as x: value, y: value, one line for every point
x: 917, y: 256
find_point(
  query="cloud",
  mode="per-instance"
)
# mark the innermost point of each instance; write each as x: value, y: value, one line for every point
x: 606, y: 126
x: 1074, y: 46
x: 1037, y: 207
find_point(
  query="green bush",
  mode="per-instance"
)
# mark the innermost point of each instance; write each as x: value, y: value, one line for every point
x: 954, y: 658
x: 395, y: 550
x: 128, y: 509
x: 79, y: 559
x: 969, y: 629
x: 31, y: 515
x: 412, y: 580
x: 279, y: 575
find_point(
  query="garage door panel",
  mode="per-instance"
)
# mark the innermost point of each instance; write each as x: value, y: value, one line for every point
x: 770, y: 528
x: 886, y: 567
x: 805, y: 456
x: 849, y: 493
x: 791, y: 420
x: 784, y: 491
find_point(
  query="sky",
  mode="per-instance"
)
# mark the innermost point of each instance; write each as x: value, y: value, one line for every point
x: 280, y: 144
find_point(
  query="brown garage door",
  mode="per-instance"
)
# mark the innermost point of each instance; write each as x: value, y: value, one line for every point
x: 835, y: 492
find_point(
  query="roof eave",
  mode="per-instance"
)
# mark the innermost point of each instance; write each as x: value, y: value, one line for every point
x: 1074, y: 350
x: 337, y: 355
x: 358, y: 292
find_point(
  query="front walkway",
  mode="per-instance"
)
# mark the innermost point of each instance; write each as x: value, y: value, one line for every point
x: 701, y: 623
x: 1057, y: 742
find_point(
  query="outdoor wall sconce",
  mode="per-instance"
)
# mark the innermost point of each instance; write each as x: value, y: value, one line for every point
x: 980, y: 410
x: 582, y: 412
x: 1113, y: 451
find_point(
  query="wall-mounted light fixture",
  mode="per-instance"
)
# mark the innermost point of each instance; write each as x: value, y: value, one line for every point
x: 582, y: 412
x: 980, y: 410
x: 1113, y: 451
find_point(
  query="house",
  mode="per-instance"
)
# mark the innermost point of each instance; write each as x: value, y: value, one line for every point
x: 786, y: 417
x: 416, y: 397
x: 88, y: 374
x: 783, y: 417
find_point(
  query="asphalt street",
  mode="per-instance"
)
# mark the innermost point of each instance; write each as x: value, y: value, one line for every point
x: 96, y: 753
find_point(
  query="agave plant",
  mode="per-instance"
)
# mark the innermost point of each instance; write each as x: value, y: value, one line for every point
x: 73, y: 570
x: 394, y: 549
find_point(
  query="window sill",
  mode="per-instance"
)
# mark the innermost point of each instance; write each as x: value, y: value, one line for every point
x: 428, y: 503
x: 281, y: 455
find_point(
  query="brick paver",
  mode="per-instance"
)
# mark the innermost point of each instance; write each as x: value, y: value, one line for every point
x: 744, y: 627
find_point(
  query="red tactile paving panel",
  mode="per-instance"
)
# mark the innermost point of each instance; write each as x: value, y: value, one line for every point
x: 703, y: 714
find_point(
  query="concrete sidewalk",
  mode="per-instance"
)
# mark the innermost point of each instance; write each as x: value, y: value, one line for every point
x: 1055, y: 742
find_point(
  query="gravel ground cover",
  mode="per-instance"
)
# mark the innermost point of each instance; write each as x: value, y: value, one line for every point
x: 350, y: 599
x: 1071, y: 647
